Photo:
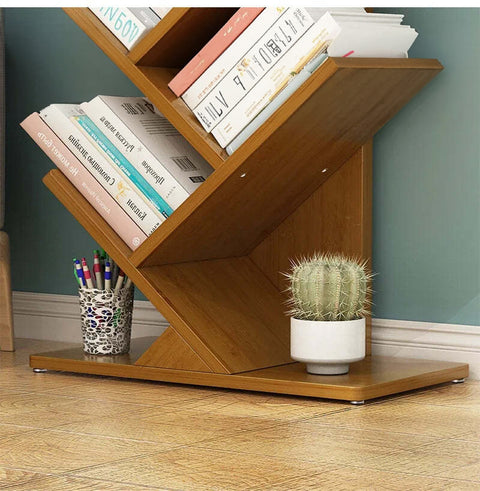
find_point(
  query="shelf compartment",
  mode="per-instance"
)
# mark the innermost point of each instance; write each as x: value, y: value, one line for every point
x: 194, y: 26
x: 368, y: 379
x: 154, y: 86
x: 331, y: 116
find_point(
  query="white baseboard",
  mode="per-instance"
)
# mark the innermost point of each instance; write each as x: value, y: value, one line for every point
x: 56, y: 317
x: 429, y: 341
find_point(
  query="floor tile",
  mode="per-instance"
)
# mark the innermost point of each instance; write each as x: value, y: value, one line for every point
x: 405, y: 417
x: 135, y: 391
x: 466, y: 395
x: 55, y: 452
x: 64, y: 483
x: 439, y: 458
x: 259, y: 405
x: 12, y: 477
x: 313, y: 442
x: 357, y: 478
x: 470, y: 472
x: 47, y: 410
x: 22, y: 378
x: 195, y: 468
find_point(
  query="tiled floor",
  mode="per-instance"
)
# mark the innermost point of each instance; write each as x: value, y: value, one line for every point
x: 68, y: 432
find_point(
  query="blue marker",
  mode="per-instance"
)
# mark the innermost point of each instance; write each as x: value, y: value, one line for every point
x: 81, y: 277
x: 108, y: 276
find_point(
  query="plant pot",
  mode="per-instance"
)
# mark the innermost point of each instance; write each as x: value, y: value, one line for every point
x: 327, y: 347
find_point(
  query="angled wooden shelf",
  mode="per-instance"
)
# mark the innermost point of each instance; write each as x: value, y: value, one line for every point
x: 300, y: 184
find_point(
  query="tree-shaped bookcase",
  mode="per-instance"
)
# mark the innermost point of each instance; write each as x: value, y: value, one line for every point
x: 300, y: 184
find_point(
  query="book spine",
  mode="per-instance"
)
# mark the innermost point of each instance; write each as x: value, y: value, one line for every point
x: 258, y: 61
x: 213, y: 49
x: 207, y: 81
x: 131, y: 173
x: 161, y: 11
x: 122, y: 23
x: 117, y: 187
x: 139, y: 156
x: 149, y: 130
x: 146, y: 15
x: 312, y: 43
x: 91, y: 190
x: 287, y: 92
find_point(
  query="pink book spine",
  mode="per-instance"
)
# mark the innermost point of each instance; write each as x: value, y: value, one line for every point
x: 213, y: 49
x: 61, y: 156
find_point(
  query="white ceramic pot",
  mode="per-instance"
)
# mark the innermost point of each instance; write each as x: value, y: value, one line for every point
x: 327, y: 347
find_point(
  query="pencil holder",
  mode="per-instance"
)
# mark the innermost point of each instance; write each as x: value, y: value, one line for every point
x: 106, y: 320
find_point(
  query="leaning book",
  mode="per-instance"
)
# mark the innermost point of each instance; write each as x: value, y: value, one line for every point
x: 91, y: 190
x: 153, y: 146
x: 121, y: 189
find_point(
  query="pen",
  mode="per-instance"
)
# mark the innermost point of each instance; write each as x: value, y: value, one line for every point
x: 128, y: 283
x: 118, y: 284
x: 79, y: 274
x: 97, y: 270
x: 108, y: 276
x: 86, y: 273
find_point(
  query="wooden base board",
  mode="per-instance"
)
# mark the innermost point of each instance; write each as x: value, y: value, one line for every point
x: 367, y: 379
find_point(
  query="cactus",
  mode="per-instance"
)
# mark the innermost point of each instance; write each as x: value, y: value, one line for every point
x: 329, y: 288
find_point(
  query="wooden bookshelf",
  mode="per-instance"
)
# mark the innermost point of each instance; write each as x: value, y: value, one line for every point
x: 300, y: 184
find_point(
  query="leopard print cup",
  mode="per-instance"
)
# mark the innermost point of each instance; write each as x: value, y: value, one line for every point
x: 106, y: 320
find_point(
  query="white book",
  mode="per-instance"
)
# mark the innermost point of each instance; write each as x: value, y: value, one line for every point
x: 161, y: 11
x: 57, y: 116
x: 270, y: 109
x: 126, y: 26
x: 207, y: 81
x: 313, y: 42
x: 339, y: 39
x: 150, y: 142
x: 146, y: 15
x: 254, y: 64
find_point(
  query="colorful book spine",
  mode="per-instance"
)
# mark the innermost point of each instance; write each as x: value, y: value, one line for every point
x: 126, y: 27
x: 107, y: 147
x: 287, y: 92
x: 57, y: 117
x: 149, y: 140
x: 213, y: 49
x: 73, y: 169
x: 229, y: 58
x: 259, y: 60
x: 131, y: 148
x: 312, y: 43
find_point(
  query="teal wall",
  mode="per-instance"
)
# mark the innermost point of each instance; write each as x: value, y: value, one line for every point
x: 426, y: 241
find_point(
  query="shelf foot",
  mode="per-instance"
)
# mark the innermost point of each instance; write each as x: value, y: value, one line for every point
x: 357, y: 403
x: 458, y: 381
x: 39, y: 370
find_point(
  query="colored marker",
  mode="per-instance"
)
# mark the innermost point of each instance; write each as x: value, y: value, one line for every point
x: 86, y: 273
x: 108, y: 276
x: 128, y: 283
x: 79, y: 273
x: 97, y: 269
x: 118, y: 284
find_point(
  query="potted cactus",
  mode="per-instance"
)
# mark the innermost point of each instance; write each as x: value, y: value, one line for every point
x: 329, y: 302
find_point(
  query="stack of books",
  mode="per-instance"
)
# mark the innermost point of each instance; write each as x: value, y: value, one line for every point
x: 124, y: 157
x: 130, y: 25
x: 261, y: 56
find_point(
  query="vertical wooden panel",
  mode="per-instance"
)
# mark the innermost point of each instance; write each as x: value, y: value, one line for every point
x: 335, y: 218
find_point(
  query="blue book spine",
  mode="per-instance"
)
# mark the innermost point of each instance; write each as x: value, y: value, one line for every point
x: 124, y: 165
